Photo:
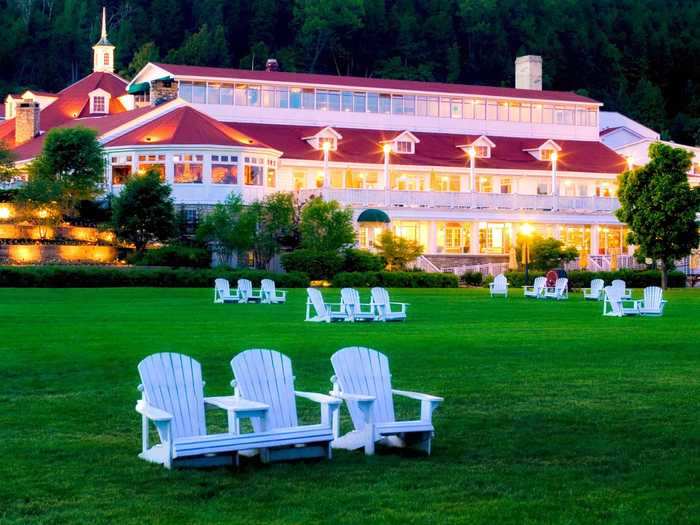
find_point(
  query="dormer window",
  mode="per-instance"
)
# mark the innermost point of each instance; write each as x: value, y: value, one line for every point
x: 403, y: 144
x: 98, y: 105
x: 327, y: 136
x: 480, y: 148
x: 99, y: 101
x: 547, y: 151
x: 546, y: 154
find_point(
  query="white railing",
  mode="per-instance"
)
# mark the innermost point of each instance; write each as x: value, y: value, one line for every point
x: 484, y: 269
x: 437, y: 199
x: 423, y: 263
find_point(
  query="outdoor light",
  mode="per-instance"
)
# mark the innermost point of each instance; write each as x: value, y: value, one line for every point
x: 43, y: 214
x: 630, y: 163
x: 326, y: 146
x: 526, y: 229
x: 387, y: 149
x: 472, y: 152
x: 4, y: 212
x: 554, y: 156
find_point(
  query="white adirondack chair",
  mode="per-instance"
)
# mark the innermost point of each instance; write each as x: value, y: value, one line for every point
x: 270, y: 295
x: 625, y: 292
x: 265, y: 376
x: 615, y: 305
x: 537, y: 288
x: 324, y: 311
x: 247, y: 293
x: 653, y: 302
x: 350, y: 303
x: 595, y: 292
x: 173, y: 399
x: 222, y: 292
x: 362, y: 379
x: 384, y: 307
x: 499, y: 286
x: 559, y: 291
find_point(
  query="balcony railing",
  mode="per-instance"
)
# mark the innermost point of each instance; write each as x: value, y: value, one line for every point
x: 491, y: 201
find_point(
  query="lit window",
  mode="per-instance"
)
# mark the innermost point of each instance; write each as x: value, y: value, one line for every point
x: 546, y: 154
x: 542, y: 188
x: 254, y: 172
x: 106, y: 59
x: 331, y: 141
x: 98, y: 105
x: 152, y: 163
x: 506, y: 185
x: 482, y: 152
x: 188, y: 168
x: 224, y: 169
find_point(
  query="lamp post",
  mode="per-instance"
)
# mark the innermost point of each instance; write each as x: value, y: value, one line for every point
x: 555, y: 190
x: 326, y: 152
x: 472, y: 169
x: 526, y: 230
x: 387, y: 184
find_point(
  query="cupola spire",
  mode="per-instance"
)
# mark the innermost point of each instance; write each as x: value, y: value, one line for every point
x: 103, y: 51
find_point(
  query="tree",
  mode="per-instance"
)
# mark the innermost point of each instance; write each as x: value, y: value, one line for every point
x: 69, y: 169
x: 547, y: 253
x: 7, y: 164
x: 397, y: 251
x: 148, y: 52
x: 204, y: 48
x: 228, y: 226
x: 660, y: 207
x: 143, y: 212
x: 274, y: 219
x: 325, y: 226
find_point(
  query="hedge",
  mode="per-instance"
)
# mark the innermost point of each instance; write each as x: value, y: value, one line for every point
x: 395, y: 280
x: 582, y: 279
x: 175, y: 256
x: 108, y: 277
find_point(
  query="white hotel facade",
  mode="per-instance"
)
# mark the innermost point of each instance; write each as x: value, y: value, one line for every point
x: 457, y: 168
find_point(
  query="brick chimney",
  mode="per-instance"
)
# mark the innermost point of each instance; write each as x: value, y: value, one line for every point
x: 272, y: 65
x: 528, y: 72
x: 26, y: 121
x: 163, y: 90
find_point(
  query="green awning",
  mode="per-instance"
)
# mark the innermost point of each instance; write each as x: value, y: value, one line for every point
x: 373, y: 215
x: 141, y: 87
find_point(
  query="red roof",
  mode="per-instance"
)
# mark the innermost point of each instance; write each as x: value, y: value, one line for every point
x: 102, y: 125
x: 73, y: 102
x: 185, y: 126
x: 371, y: 83
x: 436, y: 149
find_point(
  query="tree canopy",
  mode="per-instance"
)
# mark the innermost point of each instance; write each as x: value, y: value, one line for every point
x: 660, y: 207
x: 636, y: 56
x: 326, y: 226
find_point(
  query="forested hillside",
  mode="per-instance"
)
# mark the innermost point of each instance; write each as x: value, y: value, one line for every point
x: 641, y: 57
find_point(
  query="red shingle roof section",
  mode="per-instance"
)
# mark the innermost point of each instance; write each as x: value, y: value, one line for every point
x: 372, y: 83
x: 186, y: 126
x: 436, y: 149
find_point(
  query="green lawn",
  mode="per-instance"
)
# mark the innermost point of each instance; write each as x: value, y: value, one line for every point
x: 552, y: 413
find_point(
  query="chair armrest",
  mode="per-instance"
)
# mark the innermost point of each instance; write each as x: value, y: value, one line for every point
x: 353, y: 397
x: 318, y: 398
x: 236, y: 404
x: 418, y: 396
x: 151, y: 412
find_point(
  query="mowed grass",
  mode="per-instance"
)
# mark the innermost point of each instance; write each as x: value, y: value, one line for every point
x: 552, y: 413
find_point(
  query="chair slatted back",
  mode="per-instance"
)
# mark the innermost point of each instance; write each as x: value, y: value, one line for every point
x: 222, y: 287
x: 317, y: 301
x: 173, y: 382
x: 268, y: 286
x: 365, y: 371
x: 350, y: 300
x: 500, y: 282
x: 653, y: 296
x: 613, y: 299
x: 560, y: 285
x: 245, y: 288
x: 619, y: 283
x: 597, y: 285
x: 539, y: 284
x: 266, y: 376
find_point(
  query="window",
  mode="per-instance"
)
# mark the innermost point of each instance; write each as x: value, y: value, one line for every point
x: 213, y: 93
x: 333, y: 143
x: 347, y: 100
x: 479, y: 109
x: 105, y: 59
x: 268, y: 97
x: 281, y: 98
x: 506, y: 185
x: 404, y: 146
x: 271, y: 177
x: 546, y: 154
x: 482, y: 152
x: 224, y: 169
x: 358, y: 102
x: 295, y: 98
x: 372, y: 102
x: 152, y: 163
x: 542, y: 188
x: 185, y: 91
x: 253, y: 95
x: 240, y: 97
x: 199, y: 93
x: 433, y: 106
x: 253, y: 171
x: 444, y: 107
x: 468, y: 108
x: 188, y: 168
x: 190, y: 218
x: 308, y: 97
x: 456, y: 108
x: 226, y: 93
x: 299, y: 180
x: 384, y: 103
x: 439, y: 182
x: 121, y: 169
x: 397, y: 104
x: 484, y: 184
x: 696, y: 168
x: 98, y: 105
x: 361, y: 179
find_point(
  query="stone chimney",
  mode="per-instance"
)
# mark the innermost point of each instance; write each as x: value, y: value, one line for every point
x: 528, y: 72
x: 163, y: 90
x: 272, y: 65
x: 26, y: 121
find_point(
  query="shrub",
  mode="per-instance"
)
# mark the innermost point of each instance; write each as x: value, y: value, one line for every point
x: 582, y: 279
x: 362, y: 261
x: 175, y: 256
x: 395, y: 280
x: 318, y: 265
x: 472, y: 278
x: 106, y: 277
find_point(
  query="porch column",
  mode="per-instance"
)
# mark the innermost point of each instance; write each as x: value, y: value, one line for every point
x: 474, y: 248
x: 326, y: 152
x: 472, y: 169
x: 595, y: 231
x: 432, y: 237
x: 557, y: 231
x: 555, y: 189
x: 241, y: 174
